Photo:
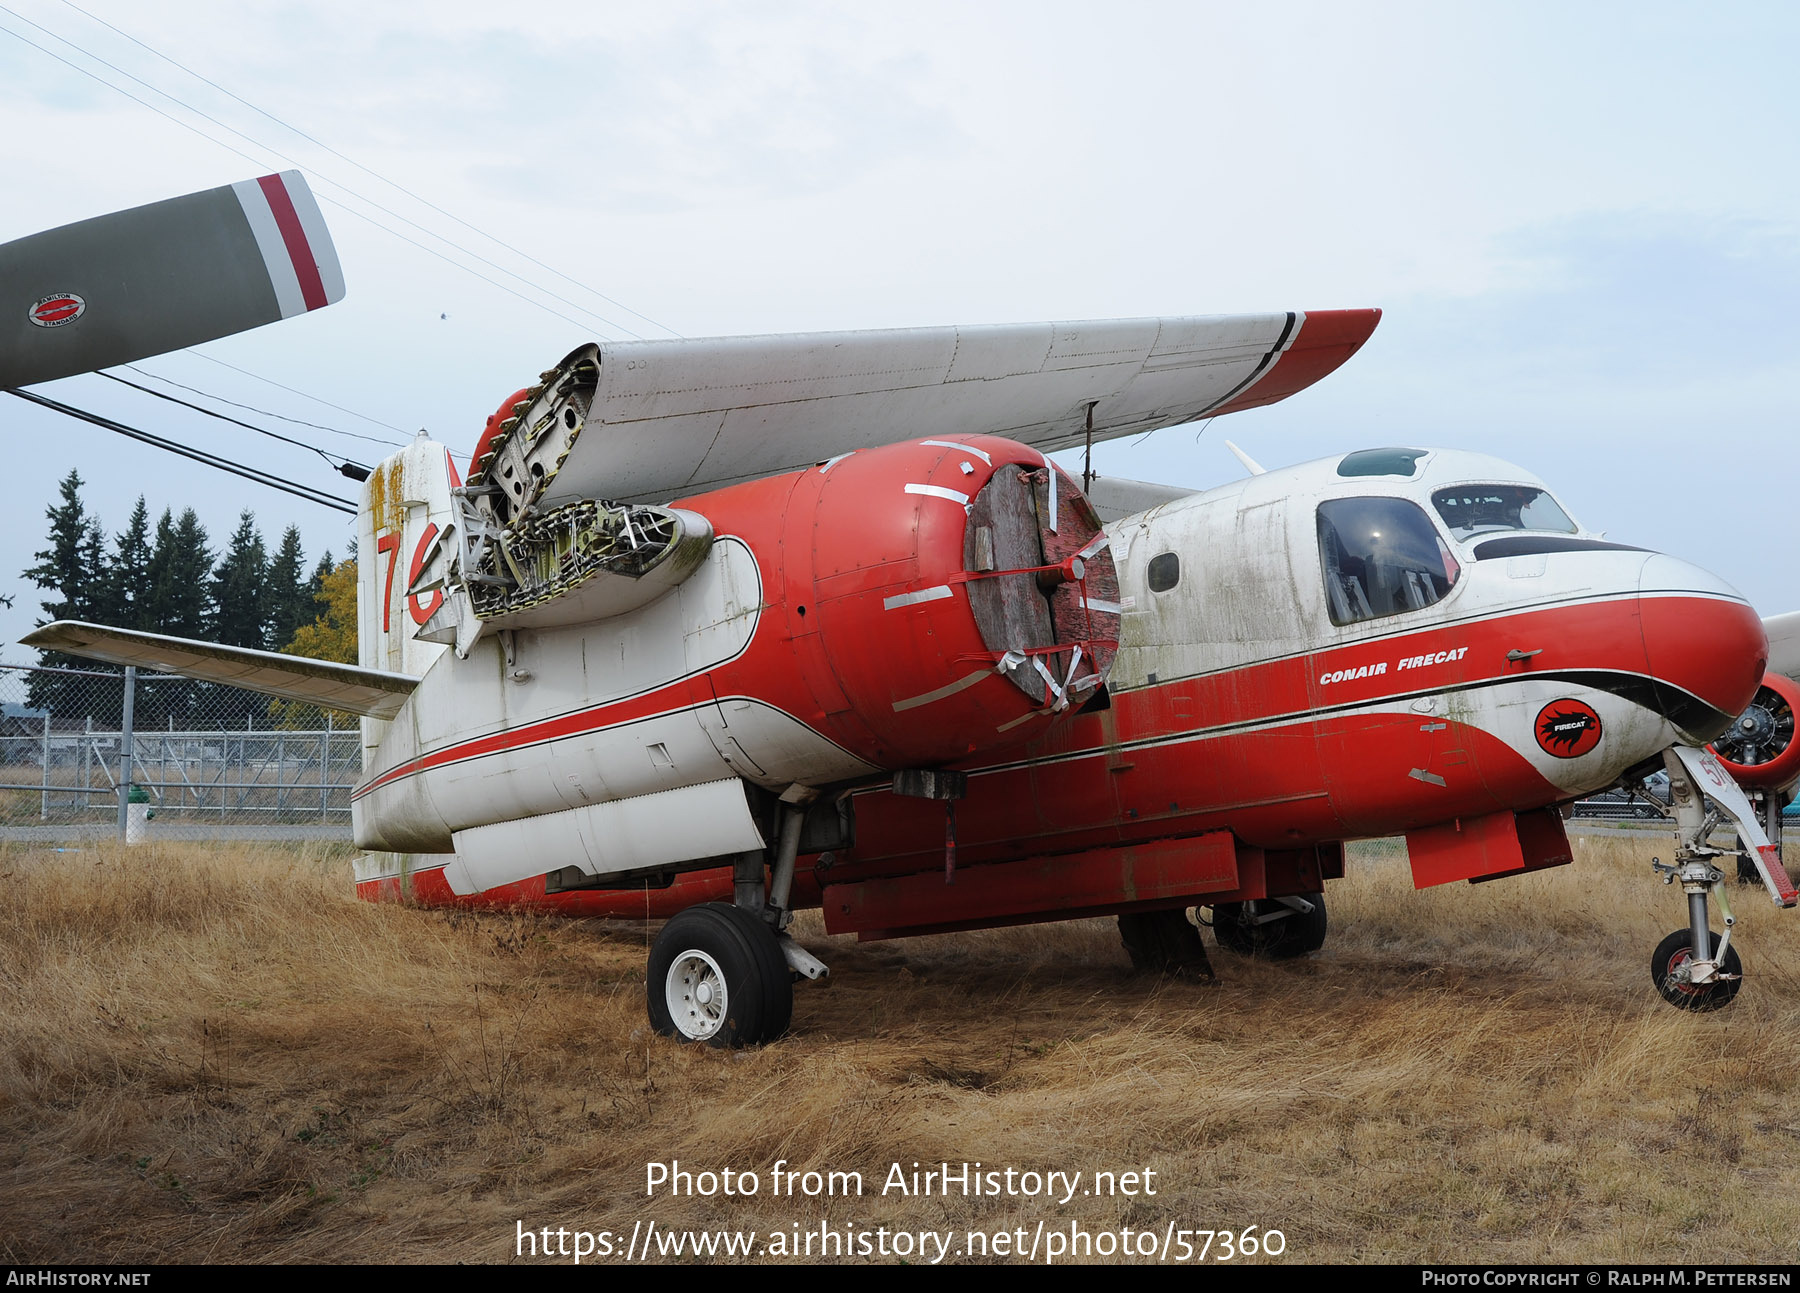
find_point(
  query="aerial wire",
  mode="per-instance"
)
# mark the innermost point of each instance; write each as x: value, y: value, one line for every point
x: 375, y: 174
x: 269, y: 148
x: 198, y: 455
x: 251, y: 408
x: 335, y: 465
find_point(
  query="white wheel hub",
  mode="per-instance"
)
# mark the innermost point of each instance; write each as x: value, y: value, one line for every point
x: 696, y: 996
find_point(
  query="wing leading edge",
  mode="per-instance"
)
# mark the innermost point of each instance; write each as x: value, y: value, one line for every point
x: 373, y: 693
x: 671, y: 418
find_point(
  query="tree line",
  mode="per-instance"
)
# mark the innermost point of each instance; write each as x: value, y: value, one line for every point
x: 167, y: 579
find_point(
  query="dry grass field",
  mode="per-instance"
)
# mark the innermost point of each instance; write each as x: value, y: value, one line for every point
x: 217, y: 1055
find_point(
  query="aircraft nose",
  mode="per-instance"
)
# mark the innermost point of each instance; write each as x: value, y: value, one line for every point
x: 1704, y: 645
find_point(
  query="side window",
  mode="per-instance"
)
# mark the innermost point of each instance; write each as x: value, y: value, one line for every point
x: 1165, y: 572
x: 1381, y: 556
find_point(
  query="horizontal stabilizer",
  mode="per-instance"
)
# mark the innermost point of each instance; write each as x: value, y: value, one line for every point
x: 156, y: 278
x: 667, y: 419
x: 373, y: 693
x: 1784, y: 644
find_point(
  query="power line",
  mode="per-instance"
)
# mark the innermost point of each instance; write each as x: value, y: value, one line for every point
x: 365, y: 170
x: 256, y: 143
x: 198, y: 455
x: 214, y: 359
x: 273, y: 435
x: 281, y: 417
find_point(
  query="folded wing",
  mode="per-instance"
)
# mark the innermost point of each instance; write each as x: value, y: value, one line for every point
x: 674, y: 418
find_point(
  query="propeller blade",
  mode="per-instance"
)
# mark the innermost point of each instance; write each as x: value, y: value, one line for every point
x: 137, y: 283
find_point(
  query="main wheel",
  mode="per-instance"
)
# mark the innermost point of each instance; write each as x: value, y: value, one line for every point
x: 1672, y: 954
x: 1165, y: 942
x: 717, y: 976
x: 1237, y: 926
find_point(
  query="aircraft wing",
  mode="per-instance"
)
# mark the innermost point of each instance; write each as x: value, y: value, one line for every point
x: 671, y: 418
x: 373, y: 693
x: 1784, y: 643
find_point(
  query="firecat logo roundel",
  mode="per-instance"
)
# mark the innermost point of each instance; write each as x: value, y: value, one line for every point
x: 57, y: 309
x: 1568, y: 729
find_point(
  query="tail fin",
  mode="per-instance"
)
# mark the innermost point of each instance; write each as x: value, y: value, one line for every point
x: 402, y: 548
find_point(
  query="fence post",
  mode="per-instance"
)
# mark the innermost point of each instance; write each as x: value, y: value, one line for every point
x: 127, y: 744
x: 44, y: 800
x: 325, y: 771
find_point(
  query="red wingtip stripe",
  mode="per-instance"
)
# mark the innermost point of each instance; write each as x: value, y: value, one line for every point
x: 1326, y: 339
x: 306, y: 269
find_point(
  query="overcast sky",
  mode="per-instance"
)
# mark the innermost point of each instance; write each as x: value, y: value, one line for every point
x: 1579, y: 220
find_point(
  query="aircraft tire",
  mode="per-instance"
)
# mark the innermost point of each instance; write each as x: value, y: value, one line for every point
x: 1673, y: 952
x: 1279, y: 940
x: 1165, y: 942
x: 717, y: 976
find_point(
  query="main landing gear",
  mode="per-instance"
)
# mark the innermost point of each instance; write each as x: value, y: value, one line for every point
x: 1278, y: 929
x: 1693, y: 968
x: 723, y: 973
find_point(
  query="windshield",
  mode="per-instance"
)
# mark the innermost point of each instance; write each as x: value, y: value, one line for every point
x: 1481, y: 509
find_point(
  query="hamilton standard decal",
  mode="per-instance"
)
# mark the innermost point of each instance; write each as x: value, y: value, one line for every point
x: 57, y: 309
x: 1568, y: 729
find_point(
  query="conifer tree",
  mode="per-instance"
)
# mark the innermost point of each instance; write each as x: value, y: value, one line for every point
x: 239, y: 582
x: 288, y: 600
x: 72, y: 568
x: 128, y: 572
x: 176, y: 604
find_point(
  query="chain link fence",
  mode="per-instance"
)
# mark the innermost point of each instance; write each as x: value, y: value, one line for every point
x: 206, y: 762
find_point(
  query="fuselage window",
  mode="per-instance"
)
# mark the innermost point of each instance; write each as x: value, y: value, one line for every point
x: 1482, y: 509
x: 1382, y: 556
x: 1165, y: 572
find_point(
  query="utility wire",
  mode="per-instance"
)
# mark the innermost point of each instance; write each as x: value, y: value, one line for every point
x: 214, y: 359
x: 256, y: 143
x: 281, y: 417
x: 198, y: 455
x: 365, y: 170
x: 335, y: 465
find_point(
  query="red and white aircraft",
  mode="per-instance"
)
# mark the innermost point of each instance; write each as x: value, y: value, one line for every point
x: 719, y: 629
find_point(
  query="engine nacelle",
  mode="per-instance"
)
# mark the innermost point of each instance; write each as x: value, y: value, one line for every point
x: 941, y: 597
x: 1759, y: 750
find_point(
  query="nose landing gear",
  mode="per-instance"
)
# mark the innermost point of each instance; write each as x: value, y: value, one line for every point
x: 1692, y: 968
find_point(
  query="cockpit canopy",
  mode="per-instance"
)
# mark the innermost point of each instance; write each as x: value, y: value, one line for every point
x: 1385, y: 554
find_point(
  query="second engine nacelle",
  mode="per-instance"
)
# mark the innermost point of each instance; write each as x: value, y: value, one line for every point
x: 1759, y: 750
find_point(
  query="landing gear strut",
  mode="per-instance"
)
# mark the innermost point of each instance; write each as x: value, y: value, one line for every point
x: 1276, y: 928
x: 1692, y: 968
x: 722, y: 974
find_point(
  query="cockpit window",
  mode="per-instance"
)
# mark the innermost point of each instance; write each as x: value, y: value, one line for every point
x: 1382, y: 556
x: 1482, y: 509
x: 1381, y: 462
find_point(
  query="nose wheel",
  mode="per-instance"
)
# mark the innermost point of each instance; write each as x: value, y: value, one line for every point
x: 1673, y: 965
x: 1693, y: 968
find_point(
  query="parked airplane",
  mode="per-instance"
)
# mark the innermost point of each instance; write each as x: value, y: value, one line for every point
x: 723, y: 628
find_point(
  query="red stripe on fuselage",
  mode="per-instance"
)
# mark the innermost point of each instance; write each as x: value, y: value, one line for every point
x: 1595, y: 635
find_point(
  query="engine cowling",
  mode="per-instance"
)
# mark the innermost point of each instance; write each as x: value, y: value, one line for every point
x: 1759, y: 749
x: 939, y: 597
x: 962, y: 589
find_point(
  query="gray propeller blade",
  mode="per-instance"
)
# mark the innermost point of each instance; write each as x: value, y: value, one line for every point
x: 156, y: 278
